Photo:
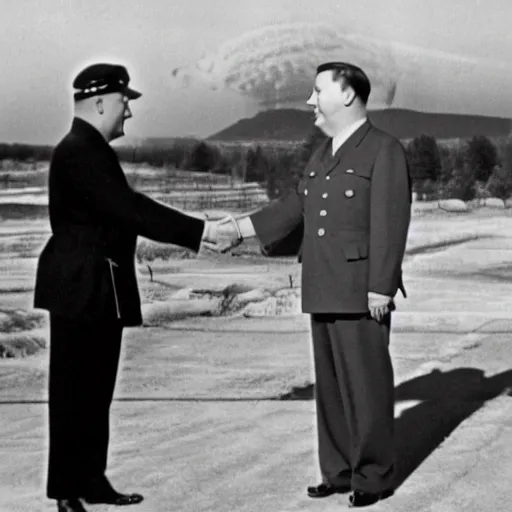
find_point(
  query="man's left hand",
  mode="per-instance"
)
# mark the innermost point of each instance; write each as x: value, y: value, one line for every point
x: 379, y: 305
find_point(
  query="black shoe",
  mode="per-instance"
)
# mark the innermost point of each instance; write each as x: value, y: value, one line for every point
x: 112, y: 498
x: 364, y: 499
x: 100, y: 490
x: 323, y: 490
x: 72, y: 505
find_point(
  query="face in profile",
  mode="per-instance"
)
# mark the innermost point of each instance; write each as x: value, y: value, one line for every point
x: 328, y: 99
x: 116, y: 110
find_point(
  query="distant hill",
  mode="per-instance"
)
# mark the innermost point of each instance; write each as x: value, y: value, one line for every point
x: 292, y: 124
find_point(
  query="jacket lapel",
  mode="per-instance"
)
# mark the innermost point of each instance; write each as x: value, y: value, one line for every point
x: 330, y: 162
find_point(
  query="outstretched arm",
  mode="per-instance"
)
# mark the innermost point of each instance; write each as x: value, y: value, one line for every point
x: 279, y: 223
x: 113, y: 198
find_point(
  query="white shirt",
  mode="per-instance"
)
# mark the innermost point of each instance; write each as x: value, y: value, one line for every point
x: 341, y: 138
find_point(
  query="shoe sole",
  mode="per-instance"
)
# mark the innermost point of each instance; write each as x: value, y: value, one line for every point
x: 326, y: 495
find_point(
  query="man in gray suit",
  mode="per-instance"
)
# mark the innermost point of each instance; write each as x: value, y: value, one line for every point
x: 348, y: 219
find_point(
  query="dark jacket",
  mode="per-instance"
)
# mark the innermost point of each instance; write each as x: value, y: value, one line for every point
x: 348, y: 219
x: 95, y: 217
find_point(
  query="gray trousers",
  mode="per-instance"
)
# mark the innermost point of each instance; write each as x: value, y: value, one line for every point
x: 354, y: 394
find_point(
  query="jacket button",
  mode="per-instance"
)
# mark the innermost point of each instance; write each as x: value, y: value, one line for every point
x: 306, y: 192
x: 350, y: 171
x: 323, y: 213
x: 321, y: 232
x: 327, y: 177
x: 312, y: 174
x: 325, y: 194
x: 349, y: 193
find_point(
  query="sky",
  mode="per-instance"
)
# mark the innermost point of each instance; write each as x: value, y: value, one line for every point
x: 45, y: 43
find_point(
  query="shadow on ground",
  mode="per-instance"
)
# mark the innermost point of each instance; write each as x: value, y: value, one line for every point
x: 446, y: 400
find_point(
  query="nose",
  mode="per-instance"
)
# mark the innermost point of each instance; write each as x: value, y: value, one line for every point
x: 127, y: 112
x: 312, y: 99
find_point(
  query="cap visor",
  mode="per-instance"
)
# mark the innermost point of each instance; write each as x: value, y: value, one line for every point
x: 132, y: 94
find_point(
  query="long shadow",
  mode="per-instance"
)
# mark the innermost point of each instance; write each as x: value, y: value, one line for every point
x: 446, y: 400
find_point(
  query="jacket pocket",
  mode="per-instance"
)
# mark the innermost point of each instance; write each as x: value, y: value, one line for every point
x: 363, y: 172
x: 355, y: 251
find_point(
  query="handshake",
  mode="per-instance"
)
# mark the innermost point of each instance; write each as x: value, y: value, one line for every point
x: 222, y: 235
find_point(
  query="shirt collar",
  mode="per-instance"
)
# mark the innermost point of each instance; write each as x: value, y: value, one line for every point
x: 339, y: 139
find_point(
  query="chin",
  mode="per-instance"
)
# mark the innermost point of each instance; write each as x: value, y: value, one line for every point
x: 118, y: 135
x: 321, y: 126
x: 319, y: 120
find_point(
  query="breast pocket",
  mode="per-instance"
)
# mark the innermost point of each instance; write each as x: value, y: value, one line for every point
x: 359, y: 176
x: 353, y: 187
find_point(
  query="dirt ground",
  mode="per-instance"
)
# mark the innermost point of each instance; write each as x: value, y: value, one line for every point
x: 198, y: 423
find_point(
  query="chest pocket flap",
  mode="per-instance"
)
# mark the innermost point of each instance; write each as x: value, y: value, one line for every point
x: 363, y: 171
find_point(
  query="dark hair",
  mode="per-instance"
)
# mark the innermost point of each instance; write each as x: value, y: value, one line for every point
x: 352, y: 75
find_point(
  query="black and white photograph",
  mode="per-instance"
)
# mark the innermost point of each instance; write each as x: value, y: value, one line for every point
x: 256, y: 256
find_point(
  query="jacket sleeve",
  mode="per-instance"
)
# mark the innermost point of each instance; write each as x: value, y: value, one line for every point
x: 115, y: 200
x: 290, y: 245
x: 274, y: 222
x: 389, y: 218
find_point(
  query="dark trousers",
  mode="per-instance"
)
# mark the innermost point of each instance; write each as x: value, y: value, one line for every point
x: 84, y: 358
x: 354, y: 400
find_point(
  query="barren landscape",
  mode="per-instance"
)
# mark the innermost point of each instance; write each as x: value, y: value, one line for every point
x: 214, y: 408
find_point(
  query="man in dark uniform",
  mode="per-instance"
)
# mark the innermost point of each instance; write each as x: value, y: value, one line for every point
x: 348, y: 218
x: 86, y: 279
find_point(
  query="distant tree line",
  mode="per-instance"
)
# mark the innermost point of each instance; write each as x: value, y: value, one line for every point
x: 277, y: 168
x: 25, y: 152
x: 466, y: 170
x: 462, y: 169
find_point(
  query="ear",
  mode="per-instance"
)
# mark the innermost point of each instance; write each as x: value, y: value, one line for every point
x: 99, y: 106
x: 349, y: 95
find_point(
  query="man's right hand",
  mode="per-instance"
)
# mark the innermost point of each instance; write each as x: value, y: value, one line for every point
x: 221, y: 235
